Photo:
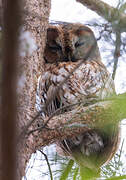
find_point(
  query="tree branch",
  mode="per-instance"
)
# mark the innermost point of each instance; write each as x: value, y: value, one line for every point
x: 111, y: 14
x: 100, y: 115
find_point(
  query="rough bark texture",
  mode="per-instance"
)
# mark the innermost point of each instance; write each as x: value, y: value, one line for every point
x: 106, y: 11
x: 29, y: 69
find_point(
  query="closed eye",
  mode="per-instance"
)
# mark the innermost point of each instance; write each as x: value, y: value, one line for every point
x: 77, y: 44
x: 55, y: 47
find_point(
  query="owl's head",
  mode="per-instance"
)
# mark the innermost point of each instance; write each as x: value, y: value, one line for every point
x: 69, y: 42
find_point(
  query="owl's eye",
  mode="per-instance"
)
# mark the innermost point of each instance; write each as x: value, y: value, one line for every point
x: 77, y: 44
x: 55, y: 47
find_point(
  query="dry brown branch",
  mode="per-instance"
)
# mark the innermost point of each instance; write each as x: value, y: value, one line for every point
x: 108, y: 12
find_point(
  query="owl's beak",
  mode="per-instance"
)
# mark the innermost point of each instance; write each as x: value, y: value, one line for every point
x: 73, y: 59
x: 68, y: 54
x: 65, y: 59
x: 69, y: 57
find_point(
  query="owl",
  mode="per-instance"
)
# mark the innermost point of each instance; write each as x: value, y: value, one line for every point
x: 66, y: 48
x: 69, y: 43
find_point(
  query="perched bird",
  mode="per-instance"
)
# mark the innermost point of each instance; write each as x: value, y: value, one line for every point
x: 66, y: 47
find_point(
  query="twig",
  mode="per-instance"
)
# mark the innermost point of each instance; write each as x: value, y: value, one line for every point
x: 116, y: 53
x: 46, y: 158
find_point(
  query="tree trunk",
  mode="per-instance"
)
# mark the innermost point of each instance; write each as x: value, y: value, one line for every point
x: 35, y: 14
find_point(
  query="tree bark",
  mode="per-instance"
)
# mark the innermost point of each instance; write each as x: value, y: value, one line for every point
x: 29, y: 68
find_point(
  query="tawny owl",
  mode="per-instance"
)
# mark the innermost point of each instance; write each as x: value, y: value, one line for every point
x: 67, y: 45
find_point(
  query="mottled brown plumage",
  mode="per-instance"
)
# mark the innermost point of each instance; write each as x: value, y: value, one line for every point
x: 66, y: 46
x: 91, y: 79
